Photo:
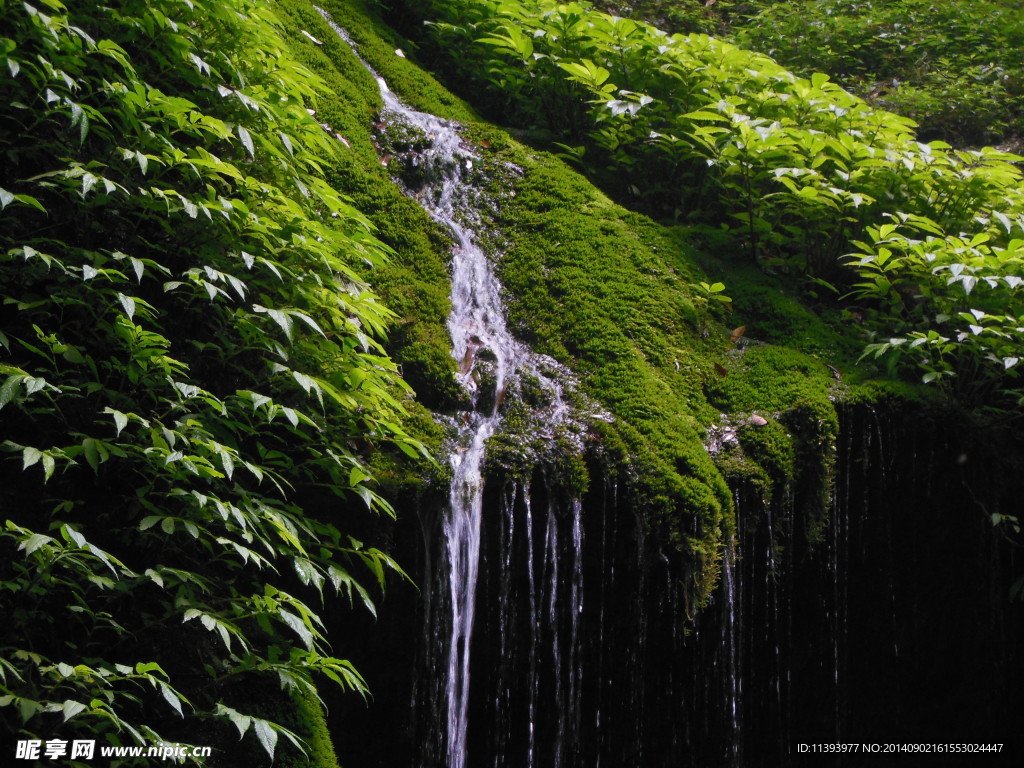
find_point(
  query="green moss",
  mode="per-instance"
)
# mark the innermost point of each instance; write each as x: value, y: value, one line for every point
x: 886, y: 392
x: 771, y: 448
x: 310, y: 721
x: 740, y: 472
x: 769, y: 377
x: 797, y: 391
x: 609, y: 293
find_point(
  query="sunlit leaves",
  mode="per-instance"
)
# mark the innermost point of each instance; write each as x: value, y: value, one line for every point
x: 956, y: 295
x: 951, y: 66
x: 189, y: 349
x: 266, y: 732
x: 797, y: 170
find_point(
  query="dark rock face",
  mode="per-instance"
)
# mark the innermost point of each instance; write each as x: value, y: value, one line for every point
x: 894, y: 626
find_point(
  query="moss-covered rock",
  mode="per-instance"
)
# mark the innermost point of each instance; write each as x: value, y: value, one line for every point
x: 605, y: 291
x: 414, y: 283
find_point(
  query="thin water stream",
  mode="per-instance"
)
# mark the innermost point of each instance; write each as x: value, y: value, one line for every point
x: 489, y: 361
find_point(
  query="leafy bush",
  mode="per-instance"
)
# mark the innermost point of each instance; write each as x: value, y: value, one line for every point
x: 797, y: 169
x: 710, y: 18
x: 948, y: 304
x: 670, y: 116
x: 954, y: 67
x: 188, y: 371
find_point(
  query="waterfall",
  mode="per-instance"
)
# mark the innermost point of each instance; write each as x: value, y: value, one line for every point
x: 490, y: 361
x: 733, y: 630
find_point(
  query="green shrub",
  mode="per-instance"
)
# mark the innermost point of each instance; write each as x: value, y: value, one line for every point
x: 954, y: 67
x: 190, y: 372
x: 800, y: 169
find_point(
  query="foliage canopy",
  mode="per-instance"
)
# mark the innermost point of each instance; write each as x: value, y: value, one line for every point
x: 800, y: 172
x: 955, y: 67
x: 190, y: 371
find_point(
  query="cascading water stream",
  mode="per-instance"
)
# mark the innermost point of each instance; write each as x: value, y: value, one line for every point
x: 478, y: 330
x: 733, y: 640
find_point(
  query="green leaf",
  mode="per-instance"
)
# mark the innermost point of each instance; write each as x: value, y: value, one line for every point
x: 297, y: 626
x: 74, y: 355
x: 170, y: 697
x: 308, y: 573
x: 240, y: 721
x: 148, y: 668
x: 138, y: 267
x: 283, y: 320
x: 27, y: 708
x: 246, y: 138
x: 704, y: 115
x: 266, y: 734
x: 226, y: 462
x: 120, y: 420
x: 92, y: 454
x: 34, y: 542
x: 70, y: 534
x: 291, y: 415
x: 30, y: 456
x: 128, y: 303
x: 10, y: 388
x: 71, y: 708
x: 34, y: 384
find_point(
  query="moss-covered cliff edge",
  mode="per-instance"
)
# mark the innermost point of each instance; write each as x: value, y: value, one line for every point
x: 611, y: 293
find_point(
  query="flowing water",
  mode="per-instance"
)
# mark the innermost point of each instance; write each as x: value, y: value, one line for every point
x: 490, y: 360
